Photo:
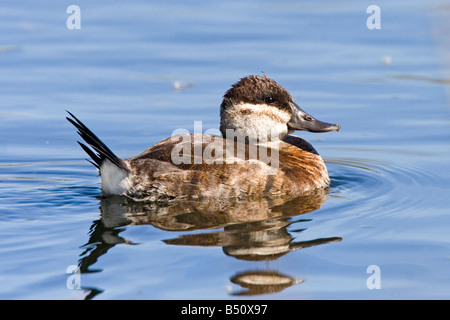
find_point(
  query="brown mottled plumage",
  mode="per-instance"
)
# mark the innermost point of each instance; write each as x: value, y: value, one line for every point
x: 155, y: 177
x: 263, y: 161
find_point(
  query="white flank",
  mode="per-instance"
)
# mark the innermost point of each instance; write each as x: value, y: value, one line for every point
x: 114, y: 179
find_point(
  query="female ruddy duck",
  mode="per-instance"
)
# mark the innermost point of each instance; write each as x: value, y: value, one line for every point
x: 255, y: 157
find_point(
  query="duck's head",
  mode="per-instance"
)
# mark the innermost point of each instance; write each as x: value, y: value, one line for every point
x: 259, y: 108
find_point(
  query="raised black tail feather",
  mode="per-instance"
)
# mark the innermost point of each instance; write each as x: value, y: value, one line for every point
x: 102, y: 152
x: 97, y: 160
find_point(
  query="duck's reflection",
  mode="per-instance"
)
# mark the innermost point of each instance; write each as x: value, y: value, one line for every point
x: 252, y: 230
x: 254, y: 241
x: 256, y: 282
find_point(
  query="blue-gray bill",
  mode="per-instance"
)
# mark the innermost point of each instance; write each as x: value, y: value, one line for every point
x: 303, y: 121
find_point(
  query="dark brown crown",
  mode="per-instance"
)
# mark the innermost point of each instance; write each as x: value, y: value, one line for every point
x: 257, y: 90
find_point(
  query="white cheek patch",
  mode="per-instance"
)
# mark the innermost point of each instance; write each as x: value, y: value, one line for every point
x: 264, y: 111
x: 259, y: 120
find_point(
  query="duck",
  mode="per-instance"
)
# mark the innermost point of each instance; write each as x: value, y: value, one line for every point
x: 255, y: 155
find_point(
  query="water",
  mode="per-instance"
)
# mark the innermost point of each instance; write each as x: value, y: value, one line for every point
x: 135, y: 73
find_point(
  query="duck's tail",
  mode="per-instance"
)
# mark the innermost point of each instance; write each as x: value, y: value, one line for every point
x: 100, y: 151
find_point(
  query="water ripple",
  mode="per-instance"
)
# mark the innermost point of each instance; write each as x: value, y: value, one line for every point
x: 368, y: 184
x: 32, y: 189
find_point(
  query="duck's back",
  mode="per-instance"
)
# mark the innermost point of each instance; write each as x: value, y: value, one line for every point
x: 195, y: 166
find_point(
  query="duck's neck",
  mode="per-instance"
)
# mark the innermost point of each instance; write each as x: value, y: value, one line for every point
x: 262, y: 138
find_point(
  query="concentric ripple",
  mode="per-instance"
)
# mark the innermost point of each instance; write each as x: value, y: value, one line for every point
x: 376, y: 184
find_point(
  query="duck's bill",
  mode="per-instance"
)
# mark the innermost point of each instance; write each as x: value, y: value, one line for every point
x: 302, y: 121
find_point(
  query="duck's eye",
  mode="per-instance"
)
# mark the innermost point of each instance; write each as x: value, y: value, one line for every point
x: 269, y: 100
